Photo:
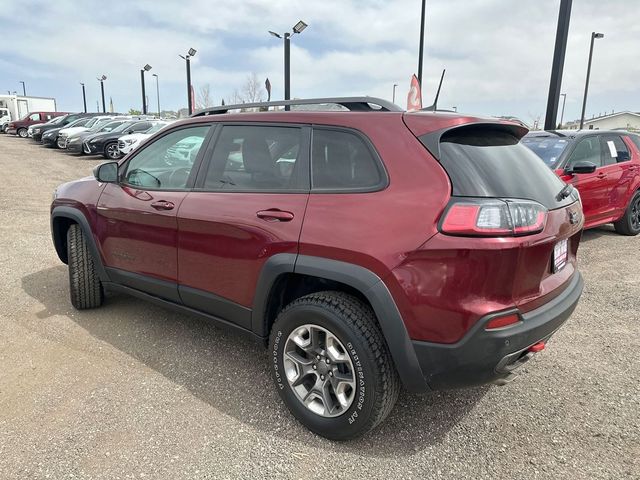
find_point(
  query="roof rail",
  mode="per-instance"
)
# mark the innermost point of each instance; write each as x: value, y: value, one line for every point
x: 354, y: 104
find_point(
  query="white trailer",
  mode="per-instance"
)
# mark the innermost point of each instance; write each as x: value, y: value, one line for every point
x: 14, y: 107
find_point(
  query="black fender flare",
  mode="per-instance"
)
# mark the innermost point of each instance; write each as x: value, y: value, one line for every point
x: 361, y: 279
x: 78, y: 217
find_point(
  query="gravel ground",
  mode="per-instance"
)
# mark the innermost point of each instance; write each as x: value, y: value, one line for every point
x: 135, y: 391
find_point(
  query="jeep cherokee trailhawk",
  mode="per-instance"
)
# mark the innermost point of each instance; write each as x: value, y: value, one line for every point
x: 369, y: 247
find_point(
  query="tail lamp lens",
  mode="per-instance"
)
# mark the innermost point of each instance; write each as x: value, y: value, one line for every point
x: 494, y: 218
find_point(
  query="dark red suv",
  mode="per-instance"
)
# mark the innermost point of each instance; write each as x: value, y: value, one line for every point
x: 371, y: 248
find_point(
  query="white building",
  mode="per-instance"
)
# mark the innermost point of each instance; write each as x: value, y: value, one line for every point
x: 621, y: 120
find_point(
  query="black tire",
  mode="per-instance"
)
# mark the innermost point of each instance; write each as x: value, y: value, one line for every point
x: 355, y: 326
x: 110, y: 152
x: 58, y: 143
x: 84, y: 284
x: 629, y: 224
x: 22, y: 132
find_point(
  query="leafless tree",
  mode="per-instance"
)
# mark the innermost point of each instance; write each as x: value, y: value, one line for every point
x: 204, y: 98
x: 252, y: 89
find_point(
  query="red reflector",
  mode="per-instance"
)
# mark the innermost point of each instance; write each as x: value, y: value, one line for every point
x: 501, y: 322
x: 538, y: 347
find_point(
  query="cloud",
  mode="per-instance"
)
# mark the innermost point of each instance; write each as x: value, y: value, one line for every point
x: 497, y: 52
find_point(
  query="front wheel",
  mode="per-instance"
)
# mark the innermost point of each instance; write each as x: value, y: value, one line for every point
x: 331, y: 365
x: 111, y: 151
x: 84, y: 284
x: 22, y: 133
x: 61, y: 143
x: 629, y: 224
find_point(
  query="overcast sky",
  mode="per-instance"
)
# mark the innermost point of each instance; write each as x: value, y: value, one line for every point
x: 497, y: 53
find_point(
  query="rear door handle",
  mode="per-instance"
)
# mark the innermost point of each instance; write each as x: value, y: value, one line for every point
x: 163, y: 205
x: 275, y: 215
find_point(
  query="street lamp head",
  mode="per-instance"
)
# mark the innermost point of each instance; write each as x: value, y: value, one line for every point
x: 277, y: 35
x: 147, y: 67
x: 154, y: 75
x: 192, y: 52
x: 102, y: 78
x: 299, y: 27
x: 82, y: 84
x: 598, y: 35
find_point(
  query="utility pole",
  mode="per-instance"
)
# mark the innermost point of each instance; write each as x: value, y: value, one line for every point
x: 564, y: 99
x: 421, y: 54
x: 84, y: 98
x: 562, y: 33
x: 594, y: 35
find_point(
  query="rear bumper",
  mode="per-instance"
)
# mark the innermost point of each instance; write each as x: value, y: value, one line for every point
x: 483, y: 356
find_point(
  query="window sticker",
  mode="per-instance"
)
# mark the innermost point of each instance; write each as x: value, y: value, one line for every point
x: 612, y: 149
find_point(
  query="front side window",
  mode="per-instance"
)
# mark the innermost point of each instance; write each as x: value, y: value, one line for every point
x: 166, y: 163
x: 34, y: 116
x: 255, y: 158
x: 587, y: 150
x: 342, y: 161
x: 614, y: 150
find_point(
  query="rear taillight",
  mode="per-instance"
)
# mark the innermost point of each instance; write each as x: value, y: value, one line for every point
x: 493, y: 217
x: 502, y: 322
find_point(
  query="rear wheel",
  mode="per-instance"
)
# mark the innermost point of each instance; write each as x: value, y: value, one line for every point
x: 629, y: 224
x: 111, y: 151
x: 84, y: 284
x: 22, y: 133
x: 331, y: 365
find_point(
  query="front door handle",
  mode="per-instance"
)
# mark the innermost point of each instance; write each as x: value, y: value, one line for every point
x: 275, y: 215
x: 163, y: 205
x: 602, y: 175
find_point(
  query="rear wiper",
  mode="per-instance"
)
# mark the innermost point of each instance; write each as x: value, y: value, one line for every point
x: 565, y: 192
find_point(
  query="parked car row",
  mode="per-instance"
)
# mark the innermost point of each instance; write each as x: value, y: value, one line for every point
x: 110, y: 135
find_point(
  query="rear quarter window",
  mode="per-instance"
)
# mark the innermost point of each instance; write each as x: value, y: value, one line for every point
x: 484, y: 161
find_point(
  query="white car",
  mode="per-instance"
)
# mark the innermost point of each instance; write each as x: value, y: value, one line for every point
x: 65, y: 133
x: 128, y: 143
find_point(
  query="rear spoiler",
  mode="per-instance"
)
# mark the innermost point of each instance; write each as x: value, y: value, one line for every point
x: 432, y: 140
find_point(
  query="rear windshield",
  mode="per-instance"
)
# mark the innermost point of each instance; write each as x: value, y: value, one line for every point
x: 548, y: 149
x: 485, y: 162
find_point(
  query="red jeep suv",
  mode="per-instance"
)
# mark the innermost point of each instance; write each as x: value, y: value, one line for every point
x: 370, y: 247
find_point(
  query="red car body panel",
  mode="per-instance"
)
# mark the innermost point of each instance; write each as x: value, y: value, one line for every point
x: 223, y: 244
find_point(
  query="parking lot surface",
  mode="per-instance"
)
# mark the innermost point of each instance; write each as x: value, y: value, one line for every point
x: 134, y: 391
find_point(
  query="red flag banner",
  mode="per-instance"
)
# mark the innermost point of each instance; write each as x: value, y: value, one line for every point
x: 414, y: 98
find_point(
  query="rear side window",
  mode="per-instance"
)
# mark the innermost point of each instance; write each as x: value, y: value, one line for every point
x: 488, y: 162
x: 635, y: 139
x: 342, y: 161
x: 614, y: 150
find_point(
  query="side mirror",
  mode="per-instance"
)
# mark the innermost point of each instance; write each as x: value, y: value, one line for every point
x: 581, y: 167
x: 131, y: 131
x: 106, y: 172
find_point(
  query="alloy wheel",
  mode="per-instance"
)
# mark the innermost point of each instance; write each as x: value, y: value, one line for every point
x: 112, y: 151
x: 319, y: 370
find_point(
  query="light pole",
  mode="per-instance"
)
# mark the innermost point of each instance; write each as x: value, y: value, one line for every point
x: 594, y: 35
x: 84, y: 98
x: 157, y: 92
x: 421, y: 53
x: 557, y: 67
x: 455, y: 109
x: 393, y: 98
x: 297, y: 28
x: 146, y: 68
x: 564, y: 99
x: 24, y: 89
x: 187, y: 59
x: 101, y: 80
